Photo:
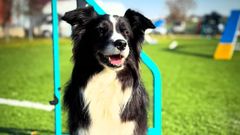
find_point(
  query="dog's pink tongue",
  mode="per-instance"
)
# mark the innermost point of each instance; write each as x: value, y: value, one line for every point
x: 115, y: 60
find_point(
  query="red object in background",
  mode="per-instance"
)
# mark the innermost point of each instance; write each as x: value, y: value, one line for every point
x: 5, y: 11
x: 1, y: 11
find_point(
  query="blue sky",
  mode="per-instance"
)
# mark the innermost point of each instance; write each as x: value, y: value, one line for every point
x: 157, y: 8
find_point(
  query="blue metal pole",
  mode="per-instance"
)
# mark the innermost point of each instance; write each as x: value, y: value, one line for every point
x: 56, y: 68
x: 157, y: 96
x: 98, y: 9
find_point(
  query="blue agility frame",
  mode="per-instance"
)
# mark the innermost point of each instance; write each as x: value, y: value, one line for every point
x: 157, y: 80
x: 56, y: 69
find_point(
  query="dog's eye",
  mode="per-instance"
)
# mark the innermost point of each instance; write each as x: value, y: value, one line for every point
x: 124, y: 31
x: 102, y: 30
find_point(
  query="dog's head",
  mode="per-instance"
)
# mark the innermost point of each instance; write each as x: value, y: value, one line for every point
x: 110, y: 39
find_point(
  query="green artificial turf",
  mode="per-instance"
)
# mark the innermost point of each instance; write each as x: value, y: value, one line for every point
x: 200, y: 95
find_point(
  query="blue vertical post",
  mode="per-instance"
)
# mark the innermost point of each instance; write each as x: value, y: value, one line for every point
x: 157, y: 95
x: 56, y: 68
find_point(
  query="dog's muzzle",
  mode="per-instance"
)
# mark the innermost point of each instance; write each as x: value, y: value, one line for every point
x: 114, y: 54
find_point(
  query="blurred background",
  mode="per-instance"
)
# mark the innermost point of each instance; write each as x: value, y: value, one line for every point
x: 32, y: 18
x: 200, y: 94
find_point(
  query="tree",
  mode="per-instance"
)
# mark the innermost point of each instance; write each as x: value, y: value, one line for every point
x: 35, y: 9
x: 36, y: 6
x: 178, y: 9
x: 6, y: 16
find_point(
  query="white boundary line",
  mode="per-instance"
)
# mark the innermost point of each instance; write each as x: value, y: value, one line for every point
x: 26, y: 104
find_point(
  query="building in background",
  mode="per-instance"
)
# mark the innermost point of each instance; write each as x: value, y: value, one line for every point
x: 29, y: 18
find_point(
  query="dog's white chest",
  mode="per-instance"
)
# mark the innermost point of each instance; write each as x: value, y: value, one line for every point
x: 106, y: 99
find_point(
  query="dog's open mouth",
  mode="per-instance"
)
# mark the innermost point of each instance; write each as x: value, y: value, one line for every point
x: 115, y: 60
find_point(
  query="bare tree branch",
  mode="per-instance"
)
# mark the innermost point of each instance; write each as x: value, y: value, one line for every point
x: 178, y: 8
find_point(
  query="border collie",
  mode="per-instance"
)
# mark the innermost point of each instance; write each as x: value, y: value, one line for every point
x: 105, y: 95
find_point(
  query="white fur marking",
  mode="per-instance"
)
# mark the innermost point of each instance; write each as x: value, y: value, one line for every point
x: 111, y: 49
x: 115, y: 35
x: 105, y: 97
x: 82, y: 132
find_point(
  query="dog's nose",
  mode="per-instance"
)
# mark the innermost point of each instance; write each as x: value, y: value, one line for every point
x: 120, y: 44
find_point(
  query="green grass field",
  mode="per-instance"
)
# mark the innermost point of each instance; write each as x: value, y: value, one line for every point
x: 200, y: 95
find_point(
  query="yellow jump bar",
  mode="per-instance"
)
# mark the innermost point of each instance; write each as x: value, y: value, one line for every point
x: 224, y: 51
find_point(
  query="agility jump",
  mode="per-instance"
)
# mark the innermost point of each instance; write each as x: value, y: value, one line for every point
x: 228, y: 41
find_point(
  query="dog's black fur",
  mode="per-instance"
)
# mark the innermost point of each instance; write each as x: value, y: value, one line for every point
x: 87, y: 39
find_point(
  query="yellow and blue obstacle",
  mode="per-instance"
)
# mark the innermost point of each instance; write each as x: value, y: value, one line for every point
x: 228, y: 40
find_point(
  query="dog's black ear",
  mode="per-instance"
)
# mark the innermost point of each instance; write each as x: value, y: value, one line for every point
x: 139, y: 24
x: 138, y: 21
x: 79, y: 16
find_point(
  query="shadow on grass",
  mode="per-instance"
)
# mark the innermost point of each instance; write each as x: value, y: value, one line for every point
x: 183, y: 52
x: 18, y: 131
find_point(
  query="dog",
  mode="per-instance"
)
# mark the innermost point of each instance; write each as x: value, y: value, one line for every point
x: 105, y: 95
